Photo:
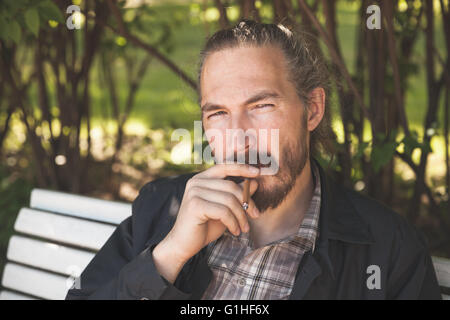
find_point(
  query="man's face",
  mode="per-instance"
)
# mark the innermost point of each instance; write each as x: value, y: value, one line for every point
x: 247, y: 88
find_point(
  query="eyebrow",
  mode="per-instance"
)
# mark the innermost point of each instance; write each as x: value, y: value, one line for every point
x: 255, y: 98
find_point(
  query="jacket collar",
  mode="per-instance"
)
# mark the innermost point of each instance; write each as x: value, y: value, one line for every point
x: 339, y: 219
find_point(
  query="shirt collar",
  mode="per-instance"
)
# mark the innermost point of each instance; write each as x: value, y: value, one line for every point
x: 308, y: 229
x: 309, y: 226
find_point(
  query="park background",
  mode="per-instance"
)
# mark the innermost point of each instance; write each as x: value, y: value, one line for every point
x: 91, y: 110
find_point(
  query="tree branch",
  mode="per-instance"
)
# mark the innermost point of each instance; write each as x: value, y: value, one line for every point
x: 389, y: 21
x: 150, y: 49
x: 335, y: 56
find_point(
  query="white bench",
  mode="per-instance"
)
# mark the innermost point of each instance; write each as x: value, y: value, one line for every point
x: 55, y: 240
x: 59, y: 234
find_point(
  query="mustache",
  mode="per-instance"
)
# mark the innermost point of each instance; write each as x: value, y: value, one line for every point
x: 254, y: 159
x: 252, y: 162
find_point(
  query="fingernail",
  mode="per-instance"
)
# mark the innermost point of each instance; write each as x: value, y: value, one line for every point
x: 246, y: 227
x: 254, y: 169
x: 255, y: 213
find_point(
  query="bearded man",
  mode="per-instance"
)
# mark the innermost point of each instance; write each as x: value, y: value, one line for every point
x: 301, y: 235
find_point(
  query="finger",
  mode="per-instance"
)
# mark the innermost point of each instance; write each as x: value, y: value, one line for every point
x: 217, y: 211
x: 232, y: 169
x: 227, y: 199
x: 220, y: 185
x: 231, y: 187
x: 224, y: 185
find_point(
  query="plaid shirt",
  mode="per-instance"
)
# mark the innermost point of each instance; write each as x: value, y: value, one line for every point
x: 241, y: 272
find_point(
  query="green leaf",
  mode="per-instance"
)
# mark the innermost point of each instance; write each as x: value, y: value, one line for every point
x: 49, y: 11
x: 14, y: 32
x: 3, y: 27
x: 14, y: 5
x: 411, y: 144
x: 362, y: 146
x: 32, y: 20
x: 426, y: 147
x: 382, y: 154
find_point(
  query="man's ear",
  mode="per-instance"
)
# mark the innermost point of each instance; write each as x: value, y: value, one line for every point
x: 316, y: 108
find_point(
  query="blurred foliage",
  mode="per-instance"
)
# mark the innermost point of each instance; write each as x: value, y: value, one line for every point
x: 163, y: 102
x: 15, y: 191
x: 18, y: 15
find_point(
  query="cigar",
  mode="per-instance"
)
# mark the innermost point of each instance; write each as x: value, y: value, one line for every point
x: 246, y: 194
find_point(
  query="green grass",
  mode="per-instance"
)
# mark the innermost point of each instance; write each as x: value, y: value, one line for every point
x: 164, y: 100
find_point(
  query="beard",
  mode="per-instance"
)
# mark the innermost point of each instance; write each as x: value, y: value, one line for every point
x: 272, y: 190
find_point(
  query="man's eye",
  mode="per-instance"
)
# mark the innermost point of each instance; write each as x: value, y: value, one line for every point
x: 219, y: 113
x: 261, y: 106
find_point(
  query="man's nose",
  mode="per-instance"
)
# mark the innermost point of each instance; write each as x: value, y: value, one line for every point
x: 242, y: 135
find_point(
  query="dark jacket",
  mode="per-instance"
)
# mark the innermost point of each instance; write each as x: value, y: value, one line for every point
x: 359, y: 240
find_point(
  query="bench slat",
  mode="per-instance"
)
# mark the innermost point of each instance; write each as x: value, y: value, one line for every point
x: 442, y: 268
x: 9, y: 295
x: 35, y: 282
x: 48, y: 256
x: 80, y: 206
x: 74, y: 231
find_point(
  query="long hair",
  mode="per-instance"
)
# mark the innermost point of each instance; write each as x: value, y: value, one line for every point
x: 305, y: 64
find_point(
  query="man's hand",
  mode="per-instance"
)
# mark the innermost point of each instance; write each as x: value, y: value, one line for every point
x: 210, y: 205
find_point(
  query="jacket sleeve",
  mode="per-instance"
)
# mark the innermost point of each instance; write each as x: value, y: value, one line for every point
x: 124, y: 267
x: 412, y: 276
